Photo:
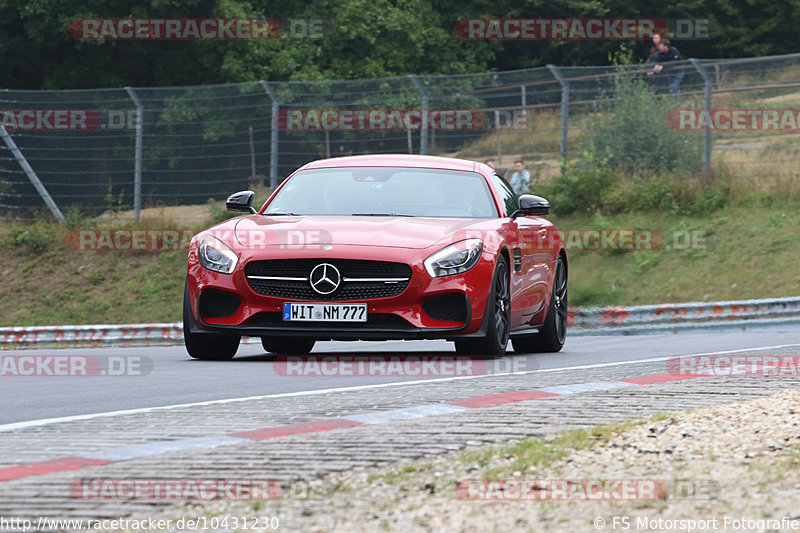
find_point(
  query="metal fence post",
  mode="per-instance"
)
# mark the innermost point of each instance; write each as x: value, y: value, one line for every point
x: 137, y: 165
x: 273, y: 139
x: 707, y: 91
x: 423, y: 136
x: 564, y: 111
x: 28, y: 169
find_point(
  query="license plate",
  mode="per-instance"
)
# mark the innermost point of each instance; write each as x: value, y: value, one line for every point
x: 316, y: 312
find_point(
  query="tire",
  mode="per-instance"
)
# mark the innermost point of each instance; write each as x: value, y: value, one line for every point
x: 288, y: 345
x: 553, y: 333
x: 206, y: 346
x: 498, y: 308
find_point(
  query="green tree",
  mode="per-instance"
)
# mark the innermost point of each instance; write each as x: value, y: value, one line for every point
x: 364, y: 38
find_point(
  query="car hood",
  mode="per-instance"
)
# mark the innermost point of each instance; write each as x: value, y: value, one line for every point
x: 393, y: 232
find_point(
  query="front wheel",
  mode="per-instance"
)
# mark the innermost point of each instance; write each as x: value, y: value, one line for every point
x: 288, y: 345
x: 498, y: 310
x: 206, y: 346
x: 553, y: 333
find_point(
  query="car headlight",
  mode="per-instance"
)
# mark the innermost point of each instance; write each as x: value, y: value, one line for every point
x: 215, y: 255
x: 454, y: 259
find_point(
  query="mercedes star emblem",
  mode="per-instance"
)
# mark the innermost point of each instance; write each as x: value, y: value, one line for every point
x: 325, y: 278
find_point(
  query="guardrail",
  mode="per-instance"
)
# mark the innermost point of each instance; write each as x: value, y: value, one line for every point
x: 119, y: 334
x: 683, y: 312
x: 685, y: 316
x: 611, y: 320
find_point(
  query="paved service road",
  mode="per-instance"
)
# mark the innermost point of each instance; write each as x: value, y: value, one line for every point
x: 176, y: 379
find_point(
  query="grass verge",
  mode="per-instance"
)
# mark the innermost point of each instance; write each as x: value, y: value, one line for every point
x: 747, y: 250
x: 742, y: 251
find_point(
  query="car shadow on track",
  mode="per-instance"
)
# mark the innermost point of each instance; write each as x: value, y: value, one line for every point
x: 371, y: 354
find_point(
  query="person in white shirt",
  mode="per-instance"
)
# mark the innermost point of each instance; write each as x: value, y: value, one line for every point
x: 521, y: 178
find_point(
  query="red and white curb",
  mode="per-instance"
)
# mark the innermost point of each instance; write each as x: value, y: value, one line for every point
x: 123, y: 453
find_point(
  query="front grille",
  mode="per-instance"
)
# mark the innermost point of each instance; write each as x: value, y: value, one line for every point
x: 451, y: 307
x: 348, y: 268
x: 218, y: 304
x: 374, y: 320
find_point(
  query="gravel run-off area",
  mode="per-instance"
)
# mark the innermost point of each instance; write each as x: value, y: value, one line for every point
x: 731, y: 467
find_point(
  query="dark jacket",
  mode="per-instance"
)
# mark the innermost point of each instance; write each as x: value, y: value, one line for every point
x: 672, y: 54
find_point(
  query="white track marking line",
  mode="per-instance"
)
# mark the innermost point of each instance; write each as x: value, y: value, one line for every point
x: 135, y: 451
x: 563, y: 390
x: 73, y: 418
x: 407, y: 413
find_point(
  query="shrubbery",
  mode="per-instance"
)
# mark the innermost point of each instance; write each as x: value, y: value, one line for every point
x: 632, y: 161
x: 37, y: 237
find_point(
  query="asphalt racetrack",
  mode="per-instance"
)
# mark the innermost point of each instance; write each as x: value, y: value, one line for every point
x: 166, y: 375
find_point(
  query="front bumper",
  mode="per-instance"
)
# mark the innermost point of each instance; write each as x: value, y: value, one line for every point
x: 403, y: 316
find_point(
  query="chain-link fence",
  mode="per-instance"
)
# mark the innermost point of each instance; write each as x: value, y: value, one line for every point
x: 133, y: 148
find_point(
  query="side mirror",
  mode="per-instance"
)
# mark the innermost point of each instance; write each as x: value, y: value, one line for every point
x: 530, y: 204
x: 242, y: 202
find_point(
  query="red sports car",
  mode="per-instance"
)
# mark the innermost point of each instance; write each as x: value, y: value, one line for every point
x: 380, y: 247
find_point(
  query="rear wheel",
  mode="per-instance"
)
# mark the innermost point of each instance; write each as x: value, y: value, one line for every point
x: 498, y: 310
x: 553, y: 333
x: 206, y: 346
x: 288, y: 345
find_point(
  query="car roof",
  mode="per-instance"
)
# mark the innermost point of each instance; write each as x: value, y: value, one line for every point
x: 395, y: 160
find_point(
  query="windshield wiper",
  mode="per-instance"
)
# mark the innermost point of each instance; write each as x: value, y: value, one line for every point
x: 379, y: 215
x: 281, y: 215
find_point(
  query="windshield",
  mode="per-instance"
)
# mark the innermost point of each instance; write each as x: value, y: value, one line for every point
x: 391, y: 191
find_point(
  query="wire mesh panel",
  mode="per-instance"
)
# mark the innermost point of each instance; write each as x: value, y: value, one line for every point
x: 203, y: 142
x: 78, y: 142
x: 339, y: 118
x: 90, y: 150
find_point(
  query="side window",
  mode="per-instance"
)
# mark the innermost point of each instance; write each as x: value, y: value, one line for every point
x: 507, y: 194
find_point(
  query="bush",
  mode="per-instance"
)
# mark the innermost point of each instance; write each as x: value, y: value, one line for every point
x: 581, y: 188
x: 631, y: 135
x: 217, y: 213
x: 632, y: 161
x: 630, y: 131
x: 598, y: 189
x: 37, y: 237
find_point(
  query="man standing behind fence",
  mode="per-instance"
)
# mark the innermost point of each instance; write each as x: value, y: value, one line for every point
x: 521, y: 178
x: 667, y: 54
